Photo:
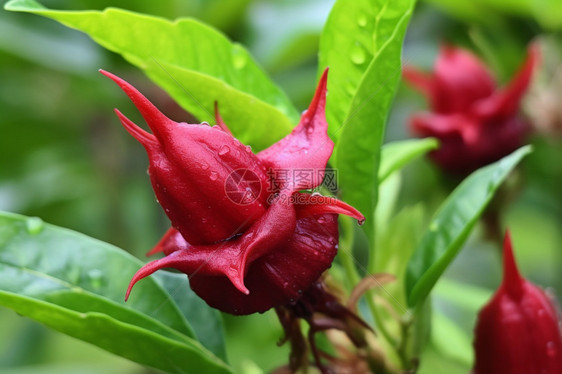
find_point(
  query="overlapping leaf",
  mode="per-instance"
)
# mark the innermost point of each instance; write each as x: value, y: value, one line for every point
x: 193, y: 62
x: 75, y: 284
x: 453, y: 222
x: 362, y: 43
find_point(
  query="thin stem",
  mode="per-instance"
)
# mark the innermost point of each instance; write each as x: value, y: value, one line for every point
x: 346, y: 252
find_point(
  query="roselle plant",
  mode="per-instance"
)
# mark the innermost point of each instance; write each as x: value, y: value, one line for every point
x: 351, y: 275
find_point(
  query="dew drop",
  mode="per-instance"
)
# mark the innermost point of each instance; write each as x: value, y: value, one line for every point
x: 434, y: 226
x: 204, y: 166
x: 362, y: 21
x: 321, y: 219
x: 34, y: 225
x: 214, y: 176
x: 205, y: 123
x: 203, y: 220
x: 248, y: 149
x: 285, y: 284
x: 309, y: 130
x: 361, y: 222
x: 95, y: 277
x: 239, y: 57
x: 224, y: 150
x: 357, y: 54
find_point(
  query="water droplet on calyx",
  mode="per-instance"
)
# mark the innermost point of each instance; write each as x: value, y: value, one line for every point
x: 224, y: 150
x: 213, y: 176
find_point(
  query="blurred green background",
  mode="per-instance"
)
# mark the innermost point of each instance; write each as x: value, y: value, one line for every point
x: 65, y: 158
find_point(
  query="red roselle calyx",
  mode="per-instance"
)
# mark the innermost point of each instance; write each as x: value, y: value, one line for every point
x: 475, y: 122
x: 518, y: 331
x: 241, y: 230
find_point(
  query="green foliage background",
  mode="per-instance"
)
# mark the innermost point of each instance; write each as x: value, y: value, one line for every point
x: 65, y: 158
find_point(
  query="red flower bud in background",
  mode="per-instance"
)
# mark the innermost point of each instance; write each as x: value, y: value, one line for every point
x: 241, y: 230
x: 475, y: 122
x: 518, y: 331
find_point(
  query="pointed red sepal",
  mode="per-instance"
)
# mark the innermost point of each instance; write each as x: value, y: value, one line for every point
x: 220, y: 122
x: 156, y: 120
x: 148, y: 140
x: 316, y: 204
x: 307, y: 147
x: 171, y: 241
x: 148, y: 269
x: 506, y: 102
x: 512, y: 280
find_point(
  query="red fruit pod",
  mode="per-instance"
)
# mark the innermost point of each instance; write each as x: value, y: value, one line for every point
x: 518, y: 331
x: 242, y: 232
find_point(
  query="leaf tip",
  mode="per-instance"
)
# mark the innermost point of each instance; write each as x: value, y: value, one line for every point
x: 23, y: 6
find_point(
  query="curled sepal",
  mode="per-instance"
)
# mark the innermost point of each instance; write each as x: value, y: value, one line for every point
x: 282, y: 275
x: 315, y: 204
x: 229, y: 258
x: 171, y: 241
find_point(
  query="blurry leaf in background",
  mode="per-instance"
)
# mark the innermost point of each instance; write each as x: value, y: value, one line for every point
x: 362, y: 43
x: 75, y: 285
x: 548, y: 13
x: 452, y: 223
x: 395, y: 155
x: 284, y: 37
x: 197, y: 66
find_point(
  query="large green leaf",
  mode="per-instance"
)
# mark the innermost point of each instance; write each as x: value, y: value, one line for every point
x: 76, y: 285
x: 362, y: 43
x: 452, y: 223
x: 195, y: 63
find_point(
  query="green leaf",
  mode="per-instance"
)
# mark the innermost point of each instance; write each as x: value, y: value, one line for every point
x: 206, y: 322
x: 463, y: 295
x: 452, y: 223
x: 450, y: 340
x: 396, y: 155
x: 76, y: 285
x: 361, y: 43
x: 194, y: 63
